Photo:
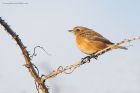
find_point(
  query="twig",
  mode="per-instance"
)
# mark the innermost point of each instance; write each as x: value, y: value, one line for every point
x: 78, y: 64
x: 25, y: 53
x: 34, y: 53
x: 37, y: 87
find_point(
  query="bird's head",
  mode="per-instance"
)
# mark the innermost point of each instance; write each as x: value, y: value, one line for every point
x: 78, y: 30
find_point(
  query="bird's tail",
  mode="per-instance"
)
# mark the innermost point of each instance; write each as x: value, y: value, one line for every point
x: 121, y: 47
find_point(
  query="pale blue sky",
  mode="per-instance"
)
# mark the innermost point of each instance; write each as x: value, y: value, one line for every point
x: 46, y: 23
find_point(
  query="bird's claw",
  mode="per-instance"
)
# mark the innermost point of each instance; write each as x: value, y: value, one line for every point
x: 86, y: 59
x: 94, y: 56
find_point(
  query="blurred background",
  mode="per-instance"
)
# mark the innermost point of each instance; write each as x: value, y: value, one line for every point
x: 46, y: 23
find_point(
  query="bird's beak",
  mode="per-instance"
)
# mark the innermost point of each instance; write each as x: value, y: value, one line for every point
x: 70, y: 30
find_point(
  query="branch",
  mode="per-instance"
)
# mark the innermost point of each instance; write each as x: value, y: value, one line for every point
x: 25, y: 53
x: 87, y: 59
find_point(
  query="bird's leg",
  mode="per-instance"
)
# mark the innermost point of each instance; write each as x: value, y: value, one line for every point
x: 86, y: 59
x: 94, y: 56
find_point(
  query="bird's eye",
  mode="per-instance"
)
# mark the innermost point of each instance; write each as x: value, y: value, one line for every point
x: 77, y: 29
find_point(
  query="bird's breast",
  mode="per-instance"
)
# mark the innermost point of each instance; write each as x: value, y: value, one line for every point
x: 88, y: 46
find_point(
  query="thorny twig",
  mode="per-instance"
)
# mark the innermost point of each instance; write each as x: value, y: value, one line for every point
x: 87, y: 60
x: 29, y: 65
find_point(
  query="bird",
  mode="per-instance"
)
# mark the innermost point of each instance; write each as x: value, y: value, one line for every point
x: 90, y: 41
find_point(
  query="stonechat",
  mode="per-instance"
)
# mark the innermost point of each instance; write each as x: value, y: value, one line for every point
x: 89, y: 41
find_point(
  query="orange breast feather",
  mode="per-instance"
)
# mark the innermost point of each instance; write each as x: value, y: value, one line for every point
x: 89, y: 46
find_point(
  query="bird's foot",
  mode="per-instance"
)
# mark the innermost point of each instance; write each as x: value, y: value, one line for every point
x: 86, y: 59
x: 94, y: 56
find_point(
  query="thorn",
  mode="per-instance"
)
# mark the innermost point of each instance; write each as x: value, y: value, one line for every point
x: 27, y: 65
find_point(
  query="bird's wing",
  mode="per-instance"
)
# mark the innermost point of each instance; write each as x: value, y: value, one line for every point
x: 92, y: 35
x: 101, y: 39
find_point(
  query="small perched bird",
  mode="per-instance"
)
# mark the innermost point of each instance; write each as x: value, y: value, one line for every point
x: 89, y: 41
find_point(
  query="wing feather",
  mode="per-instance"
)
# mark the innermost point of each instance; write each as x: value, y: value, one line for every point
x: 94, y: 36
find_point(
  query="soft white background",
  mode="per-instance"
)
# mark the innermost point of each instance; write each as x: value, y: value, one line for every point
x: 46, y: 23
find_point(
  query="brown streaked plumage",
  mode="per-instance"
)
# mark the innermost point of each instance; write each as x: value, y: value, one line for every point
x: 89, y: 41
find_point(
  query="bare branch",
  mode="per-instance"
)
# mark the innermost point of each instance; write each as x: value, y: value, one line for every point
x: 87, y: 59
x: 25, y: 53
